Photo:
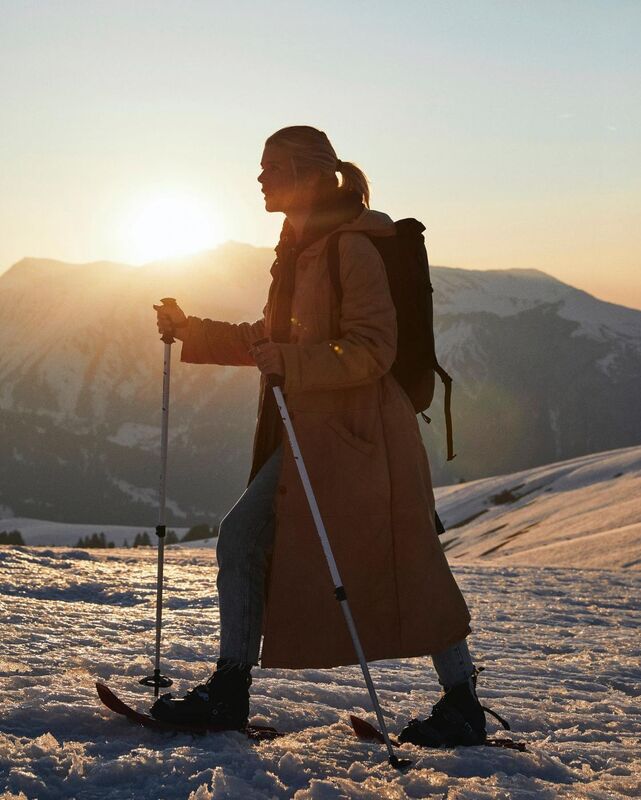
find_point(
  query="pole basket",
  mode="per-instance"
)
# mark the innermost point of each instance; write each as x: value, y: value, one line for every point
x: 157, y: 681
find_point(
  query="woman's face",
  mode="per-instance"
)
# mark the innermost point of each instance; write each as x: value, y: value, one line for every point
x: 283, y: 189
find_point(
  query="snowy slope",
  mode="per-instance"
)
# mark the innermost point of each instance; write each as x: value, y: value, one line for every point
x: 582, y: 513
x: 558, y: 646
x: 585, y: 512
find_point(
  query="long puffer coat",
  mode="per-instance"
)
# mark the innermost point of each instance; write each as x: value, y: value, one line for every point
x: 360, y: 440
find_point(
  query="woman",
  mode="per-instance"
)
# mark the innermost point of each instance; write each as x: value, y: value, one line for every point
x: 360, y: 439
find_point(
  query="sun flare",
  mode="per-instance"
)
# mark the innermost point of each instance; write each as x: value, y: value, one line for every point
x: 171, y: 225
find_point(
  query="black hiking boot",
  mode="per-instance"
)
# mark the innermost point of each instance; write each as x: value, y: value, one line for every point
x: 223, y: 701
x: 457, y: 719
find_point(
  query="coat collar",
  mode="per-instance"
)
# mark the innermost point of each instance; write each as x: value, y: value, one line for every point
x: 331, y: 211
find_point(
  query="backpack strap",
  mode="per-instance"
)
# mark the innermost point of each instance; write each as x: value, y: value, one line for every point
x: 447, y: 383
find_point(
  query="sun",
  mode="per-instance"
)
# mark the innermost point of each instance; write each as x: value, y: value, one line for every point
x: 171, y: 224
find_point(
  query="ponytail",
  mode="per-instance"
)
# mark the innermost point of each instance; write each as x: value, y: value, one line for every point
x: 353, y: 179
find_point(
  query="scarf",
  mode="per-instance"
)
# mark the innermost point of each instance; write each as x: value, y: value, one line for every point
x: 328, y: 213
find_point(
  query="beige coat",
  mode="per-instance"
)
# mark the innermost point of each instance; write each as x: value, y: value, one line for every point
x: 359, y: 436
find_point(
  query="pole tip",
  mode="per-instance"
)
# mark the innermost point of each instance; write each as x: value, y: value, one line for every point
x: 400, y: 763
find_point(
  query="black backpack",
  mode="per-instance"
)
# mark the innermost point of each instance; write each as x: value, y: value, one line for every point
x: 408, y: 273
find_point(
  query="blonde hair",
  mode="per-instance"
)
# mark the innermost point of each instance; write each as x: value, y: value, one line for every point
x: 310, y: 148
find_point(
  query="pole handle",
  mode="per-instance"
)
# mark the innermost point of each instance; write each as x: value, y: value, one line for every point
x: 272, y: 380
x: 275, y: 380
x: 170, y: 302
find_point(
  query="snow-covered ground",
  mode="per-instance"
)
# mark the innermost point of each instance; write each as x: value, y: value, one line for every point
x: 560, y: 647
x: 585, y: 512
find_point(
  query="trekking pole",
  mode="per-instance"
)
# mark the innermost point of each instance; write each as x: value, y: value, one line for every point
x: 157, y: 680
x: 276, y: 382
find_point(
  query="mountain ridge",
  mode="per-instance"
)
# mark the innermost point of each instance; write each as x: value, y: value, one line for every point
x: 541, y: 371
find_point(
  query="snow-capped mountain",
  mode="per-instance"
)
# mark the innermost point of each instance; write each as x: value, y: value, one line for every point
x: 542, y: 372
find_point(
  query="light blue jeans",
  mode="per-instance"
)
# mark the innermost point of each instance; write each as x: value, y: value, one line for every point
x: 245, y: 542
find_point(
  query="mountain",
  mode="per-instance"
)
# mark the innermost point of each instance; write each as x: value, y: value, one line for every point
x: 581, y: 513
x: 542, y: 371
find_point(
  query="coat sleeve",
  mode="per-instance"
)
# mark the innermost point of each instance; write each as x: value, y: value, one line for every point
x: 366, y: 348
x: 211, y: 342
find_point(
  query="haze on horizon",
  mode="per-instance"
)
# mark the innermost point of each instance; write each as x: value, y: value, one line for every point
x: 511, y: 129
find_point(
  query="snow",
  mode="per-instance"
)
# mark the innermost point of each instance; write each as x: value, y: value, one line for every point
x: 494, y: 291
x: 559, y: 647
x: 146, y: 495
x: 136, y: 434
x: 584, y: 512
x: 608, y: 363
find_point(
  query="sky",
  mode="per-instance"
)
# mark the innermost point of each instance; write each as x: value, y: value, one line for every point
x: 511, y: 129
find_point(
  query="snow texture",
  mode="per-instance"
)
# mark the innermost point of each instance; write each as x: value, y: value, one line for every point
x: 560, y: 647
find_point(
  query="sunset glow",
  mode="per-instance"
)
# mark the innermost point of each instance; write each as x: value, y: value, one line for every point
x: 521, y: 154
x: 171, y: 225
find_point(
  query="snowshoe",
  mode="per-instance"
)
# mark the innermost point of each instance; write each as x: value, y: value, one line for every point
x: 457, y: 719
x: 222, y: 701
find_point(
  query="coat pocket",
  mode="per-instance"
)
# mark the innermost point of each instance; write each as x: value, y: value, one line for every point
x: 362, y: 445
